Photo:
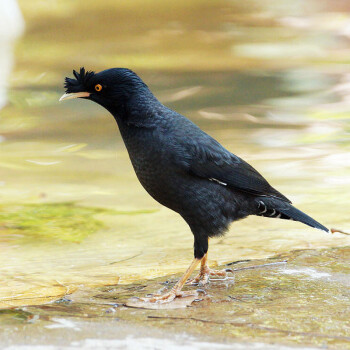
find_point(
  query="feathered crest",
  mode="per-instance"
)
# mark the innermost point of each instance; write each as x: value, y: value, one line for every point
x: 80, y: 82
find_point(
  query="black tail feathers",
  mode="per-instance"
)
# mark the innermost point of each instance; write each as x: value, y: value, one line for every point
x: 275, y: 208
x: 298, y: 215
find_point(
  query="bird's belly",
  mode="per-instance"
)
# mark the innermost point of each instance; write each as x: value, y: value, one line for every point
x: 205, y: 205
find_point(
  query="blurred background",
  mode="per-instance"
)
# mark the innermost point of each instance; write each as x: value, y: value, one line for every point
x: 269, y: 79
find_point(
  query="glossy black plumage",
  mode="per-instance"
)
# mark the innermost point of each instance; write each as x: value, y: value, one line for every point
x: 181, y: 166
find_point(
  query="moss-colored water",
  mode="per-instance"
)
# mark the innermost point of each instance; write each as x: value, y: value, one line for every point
x: 61, y: 221
x: 267, y: 80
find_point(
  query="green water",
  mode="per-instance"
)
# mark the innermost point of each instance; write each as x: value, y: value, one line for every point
x: 268, y: 80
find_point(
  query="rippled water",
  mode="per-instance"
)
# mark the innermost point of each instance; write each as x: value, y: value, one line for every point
x: 268, y: 80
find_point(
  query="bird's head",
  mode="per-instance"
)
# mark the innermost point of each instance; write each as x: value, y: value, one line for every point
x: 110, y: 88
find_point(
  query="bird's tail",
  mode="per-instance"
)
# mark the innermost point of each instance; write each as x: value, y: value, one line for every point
x: 275, y: 208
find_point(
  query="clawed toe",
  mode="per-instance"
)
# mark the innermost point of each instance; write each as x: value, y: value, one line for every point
x: 199, y: 280
x: 160, y: 299
x: 218, y: 273
x: 168, y: 297
x: 204, y: 277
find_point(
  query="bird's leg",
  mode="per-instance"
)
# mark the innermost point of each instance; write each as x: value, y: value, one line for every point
x: 205, y: 273
x: 176, y: 291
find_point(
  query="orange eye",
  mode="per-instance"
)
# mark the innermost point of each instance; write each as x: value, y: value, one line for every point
x: 98, y: 87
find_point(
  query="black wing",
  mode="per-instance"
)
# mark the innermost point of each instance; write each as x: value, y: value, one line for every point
x: 206, y: 158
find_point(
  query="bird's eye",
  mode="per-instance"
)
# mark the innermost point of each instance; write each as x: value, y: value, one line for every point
x: 98, y: 87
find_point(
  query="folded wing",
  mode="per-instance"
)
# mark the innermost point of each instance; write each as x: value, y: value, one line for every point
x: 206, y: 158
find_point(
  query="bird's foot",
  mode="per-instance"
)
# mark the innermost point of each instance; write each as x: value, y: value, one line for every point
x: 206, y: 274
x: 168, y: 297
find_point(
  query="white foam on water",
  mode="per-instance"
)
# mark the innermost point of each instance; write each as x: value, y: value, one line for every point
x: 62, y: 323
x: 307, y: 271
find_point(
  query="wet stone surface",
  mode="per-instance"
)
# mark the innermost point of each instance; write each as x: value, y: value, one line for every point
x: 297, y: 298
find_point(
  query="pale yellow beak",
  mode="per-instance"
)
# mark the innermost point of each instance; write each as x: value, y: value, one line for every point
x: 74, y: 95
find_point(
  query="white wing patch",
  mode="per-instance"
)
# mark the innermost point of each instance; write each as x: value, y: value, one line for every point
x: 219, y: 182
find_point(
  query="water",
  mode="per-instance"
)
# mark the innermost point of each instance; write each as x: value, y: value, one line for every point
x: 268, y: 80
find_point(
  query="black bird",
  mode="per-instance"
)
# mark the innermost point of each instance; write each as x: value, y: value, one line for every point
x: 181, y: 166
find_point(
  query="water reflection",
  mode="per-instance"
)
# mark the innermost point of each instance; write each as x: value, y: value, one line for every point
x: 235, y: 71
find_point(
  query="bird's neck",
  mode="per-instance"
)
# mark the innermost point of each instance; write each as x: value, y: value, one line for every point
x: 141, y: 110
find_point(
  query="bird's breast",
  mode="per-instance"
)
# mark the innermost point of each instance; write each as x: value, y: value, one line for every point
x: 152, y: 163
